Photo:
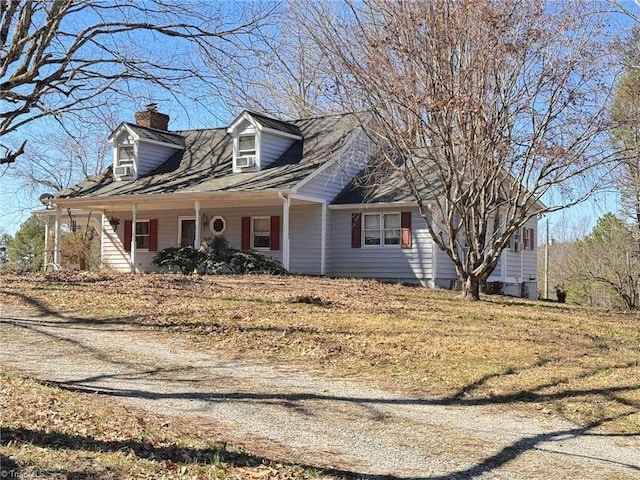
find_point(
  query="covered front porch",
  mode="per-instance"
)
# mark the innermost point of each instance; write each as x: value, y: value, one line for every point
x: 288, y: 227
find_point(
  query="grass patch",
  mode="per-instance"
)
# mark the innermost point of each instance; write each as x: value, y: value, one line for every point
x: 577, y: 362
x: 47, y: 432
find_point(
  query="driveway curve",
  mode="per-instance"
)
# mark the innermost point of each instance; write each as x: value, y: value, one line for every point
x: 325, y: 423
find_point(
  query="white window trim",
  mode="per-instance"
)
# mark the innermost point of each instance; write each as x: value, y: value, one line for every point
x: 180, y: 219
x: 253, y: 233
x: 237, y: 153
x: 224, y: 225
x: 515, y: 242
x: 382, y: 244
x: 130, y: 162
x: 135, y: 235
x: 242, y: 153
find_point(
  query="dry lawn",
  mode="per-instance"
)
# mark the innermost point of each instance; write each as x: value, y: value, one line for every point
x: 530, y: 357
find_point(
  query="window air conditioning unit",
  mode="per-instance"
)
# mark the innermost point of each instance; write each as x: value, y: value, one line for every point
x: 123, y: 171
x: 246, y: 161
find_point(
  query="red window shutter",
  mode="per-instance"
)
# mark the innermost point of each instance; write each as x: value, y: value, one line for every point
x: 128, y: 224
x: 245, y: 233
x: 274, y: 234
x: 405, y: 230
x: 525, y: 239
x: 153, y: 235
x: 356, y: 230
x: 532, y: 243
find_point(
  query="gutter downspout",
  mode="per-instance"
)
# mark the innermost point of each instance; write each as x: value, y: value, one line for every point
x: 285, y: 229
x: 323, y: 240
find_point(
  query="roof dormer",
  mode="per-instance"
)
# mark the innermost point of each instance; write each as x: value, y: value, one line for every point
x: 141, y: 148
x: 124, y: 159
x: 258, y: 141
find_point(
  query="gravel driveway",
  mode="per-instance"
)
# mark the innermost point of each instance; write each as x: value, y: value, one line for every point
x: 324, y: 423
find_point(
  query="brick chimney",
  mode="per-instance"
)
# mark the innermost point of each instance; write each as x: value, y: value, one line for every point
x: 151, y: 118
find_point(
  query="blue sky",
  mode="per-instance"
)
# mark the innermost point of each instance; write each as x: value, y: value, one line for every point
x: 18, y: 203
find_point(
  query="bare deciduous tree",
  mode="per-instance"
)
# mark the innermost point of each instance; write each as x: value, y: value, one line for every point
x: 60, y: 57
x: 55, y: 160
x: 285, y: 75
x: 491, y: 111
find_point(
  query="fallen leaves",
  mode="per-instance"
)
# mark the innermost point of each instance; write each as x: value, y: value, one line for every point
x: 415, y: 340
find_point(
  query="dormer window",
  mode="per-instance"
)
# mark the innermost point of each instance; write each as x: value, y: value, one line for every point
x: 246, y: 151
x: 139, y: 149
x: 259, y: 141
x: 247, y: 145
x: 125, y: 155
x: 124, y: 166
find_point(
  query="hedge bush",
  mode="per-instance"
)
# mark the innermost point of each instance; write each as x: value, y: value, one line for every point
x: 215, y: 256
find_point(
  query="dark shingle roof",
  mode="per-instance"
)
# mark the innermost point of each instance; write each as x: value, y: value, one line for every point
x: 205, y: 164
x: 276, y: 124
x: 157, y: 135
x: 384, y: 184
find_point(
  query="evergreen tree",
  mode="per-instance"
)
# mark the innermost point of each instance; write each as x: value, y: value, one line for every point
x: 26, y: 250
x: 625, y: 128
x: 608, y: 257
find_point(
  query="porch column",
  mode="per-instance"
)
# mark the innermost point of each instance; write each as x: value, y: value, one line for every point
x: 103, y: 221
x: 134, y: 219
x: 196, y: 241
x: 46, y: 245
x: 56, y: 241
x: 285, y: 230
x: 323, y: 240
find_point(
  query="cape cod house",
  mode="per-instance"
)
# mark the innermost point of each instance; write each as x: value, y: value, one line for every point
x: 285, y: 188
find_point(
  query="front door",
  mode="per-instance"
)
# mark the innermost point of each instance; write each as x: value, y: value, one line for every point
x: 187, y: 232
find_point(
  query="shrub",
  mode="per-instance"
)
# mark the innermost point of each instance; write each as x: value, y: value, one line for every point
x: 186, y: 259
x: 217, y: 255
x: 251, y: 261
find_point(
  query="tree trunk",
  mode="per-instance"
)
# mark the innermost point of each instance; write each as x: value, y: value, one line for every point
x: 471, y: 288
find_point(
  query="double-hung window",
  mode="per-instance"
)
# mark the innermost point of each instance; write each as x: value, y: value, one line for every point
x: 381, y: 229
x: 261, y: 232
x: 515, y: 241
x: 125, y: 155
x: 142, y: 235
x: 246, y: 145
x: 246, y: 152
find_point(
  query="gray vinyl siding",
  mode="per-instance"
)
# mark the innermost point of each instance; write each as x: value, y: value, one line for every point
x: 112, y: 248
x: 115, y: 257
x: 513, y: 266
x: 272, y: 147
x: 329, y: 180
x: 496, y: 275
x: 305, y: 236
x: 148, y: 155
x: 151, y: 156
x: 446, y: 269
x: 388, y: 263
